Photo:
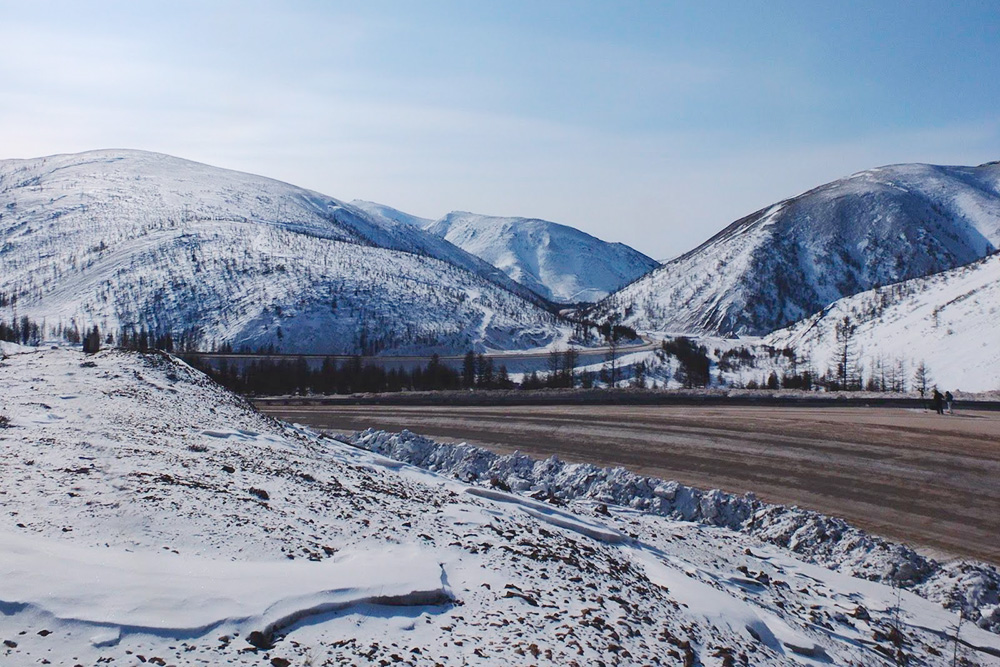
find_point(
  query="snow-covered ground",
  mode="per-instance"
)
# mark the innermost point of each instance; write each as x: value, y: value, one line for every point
x: 151, y: 517
x: 947, y: 321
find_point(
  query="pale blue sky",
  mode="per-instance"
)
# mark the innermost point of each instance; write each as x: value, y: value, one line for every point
x: 651, y: 123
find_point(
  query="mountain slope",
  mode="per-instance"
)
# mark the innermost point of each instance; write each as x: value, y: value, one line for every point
x: 948, y: 321
x: 559, y: 262
x: 383, y: 212
x: 792, y: 259
x: 151, y: 517
x: 134, y: 239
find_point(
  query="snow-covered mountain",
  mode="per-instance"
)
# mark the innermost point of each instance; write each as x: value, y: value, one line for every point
x: 559, y: 262
x: 383, y: 212
x: 792, y: 259
x: 948, y: 321
x: 152, y: 518
x: 133, y: 239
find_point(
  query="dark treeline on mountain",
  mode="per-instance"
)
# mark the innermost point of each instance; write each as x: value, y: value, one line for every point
x: 295, y: 376
x: 146, y: 339
x: 26, y: 331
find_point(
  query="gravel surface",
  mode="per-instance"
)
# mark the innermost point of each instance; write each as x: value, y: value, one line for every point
x: 913, y: 476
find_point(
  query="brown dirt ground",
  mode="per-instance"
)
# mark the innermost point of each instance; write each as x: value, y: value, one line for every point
x: 909, y: 475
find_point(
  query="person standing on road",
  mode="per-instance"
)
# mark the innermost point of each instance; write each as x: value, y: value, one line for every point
x: 948, y: 400
x: 937, y: 400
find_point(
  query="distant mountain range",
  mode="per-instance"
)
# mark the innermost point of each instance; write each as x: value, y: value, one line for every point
x: 129, y: 239
x: 134, y: 240
x: 792, y: 259
x: 562, y: 264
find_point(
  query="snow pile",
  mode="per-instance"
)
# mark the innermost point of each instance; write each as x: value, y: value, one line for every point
x: 826, y: 541
x: 150, y: 517
x: 160, y: 593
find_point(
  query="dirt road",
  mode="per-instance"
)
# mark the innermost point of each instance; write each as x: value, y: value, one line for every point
x: 928, y: 480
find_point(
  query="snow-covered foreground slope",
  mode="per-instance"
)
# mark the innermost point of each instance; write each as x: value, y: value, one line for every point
x: 134, y: 239
x: 792, y: 259
x: 151, y: 517
x: 948, y: 321
x: 561, y: 263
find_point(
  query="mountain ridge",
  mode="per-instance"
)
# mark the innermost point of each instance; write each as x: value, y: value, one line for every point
x: 129, y: 239
x: 790, y: 259
x: 559, y: 262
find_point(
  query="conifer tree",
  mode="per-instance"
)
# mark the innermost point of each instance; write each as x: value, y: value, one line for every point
x: 92, y: 341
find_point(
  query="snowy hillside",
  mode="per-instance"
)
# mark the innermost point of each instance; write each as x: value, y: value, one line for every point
x: 383, y: 212
x: 134, y: 239
x: 152, y: 518
x: 792, y: 259
x: 948, y: 321
x: 561, y: 263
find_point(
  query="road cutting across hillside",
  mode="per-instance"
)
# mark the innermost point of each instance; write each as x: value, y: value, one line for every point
x: 909, y: 475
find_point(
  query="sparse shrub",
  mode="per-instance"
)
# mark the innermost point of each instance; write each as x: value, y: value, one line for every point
x: 201, y: 449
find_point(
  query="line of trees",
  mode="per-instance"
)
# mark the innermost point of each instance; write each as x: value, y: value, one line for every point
x: 26, y: 331
x: 478, y: 372
x: 693, y: 370
x: 296, y: 376
x: 22, y: 330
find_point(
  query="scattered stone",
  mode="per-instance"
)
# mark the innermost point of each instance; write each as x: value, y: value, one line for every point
x: 259, y: 640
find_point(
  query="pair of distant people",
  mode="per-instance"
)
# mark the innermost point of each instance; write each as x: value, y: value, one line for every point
x: 942, y: 403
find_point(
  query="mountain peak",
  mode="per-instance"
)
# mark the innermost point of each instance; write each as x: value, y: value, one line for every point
x: 789, y: 260
x: 133, y: 239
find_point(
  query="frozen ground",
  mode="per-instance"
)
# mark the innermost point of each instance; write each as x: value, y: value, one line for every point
x: 150, y: 517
